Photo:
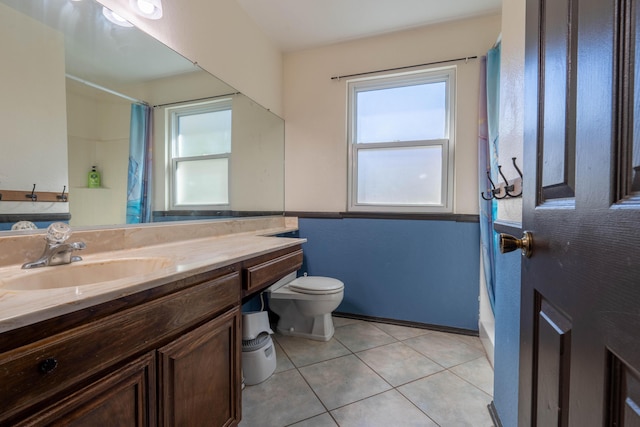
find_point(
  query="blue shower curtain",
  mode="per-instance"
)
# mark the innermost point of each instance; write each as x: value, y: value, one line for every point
x: 139, y: 177
x: 488, y: 123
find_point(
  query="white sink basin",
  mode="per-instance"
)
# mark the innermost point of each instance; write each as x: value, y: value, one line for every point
x: 82, y: 273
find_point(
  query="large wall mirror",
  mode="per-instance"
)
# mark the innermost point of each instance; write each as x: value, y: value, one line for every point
x: 68, y: 80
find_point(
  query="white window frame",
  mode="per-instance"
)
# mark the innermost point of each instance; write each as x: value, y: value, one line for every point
x: 447, y: 75
x: 172, y: 114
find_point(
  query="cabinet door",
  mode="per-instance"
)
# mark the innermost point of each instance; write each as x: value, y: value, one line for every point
x: 199, y: 375
x: 125, y: 397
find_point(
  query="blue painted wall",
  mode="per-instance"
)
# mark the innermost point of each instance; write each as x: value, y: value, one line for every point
x: 413, y: 270
x: 507, y: 338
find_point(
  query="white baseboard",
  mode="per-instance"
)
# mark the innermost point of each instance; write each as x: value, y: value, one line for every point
x: 487, y: 331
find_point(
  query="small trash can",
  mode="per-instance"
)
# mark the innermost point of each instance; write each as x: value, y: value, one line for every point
x: 258, y: 353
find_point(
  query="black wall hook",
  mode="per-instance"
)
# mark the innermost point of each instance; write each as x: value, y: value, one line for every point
x: 513, y: 159
x: 62, y: 197
x: 509, y: 189
x: 33, y: 196
x: 492, y: 191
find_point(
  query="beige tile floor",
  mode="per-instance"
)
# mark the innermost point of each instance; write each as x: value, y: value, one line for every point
x: 374, y: 375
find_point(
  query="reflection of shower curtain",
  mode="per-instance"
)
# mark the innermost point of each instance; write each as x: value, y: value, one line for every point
x: 139, y: 177
x: 488, y: 121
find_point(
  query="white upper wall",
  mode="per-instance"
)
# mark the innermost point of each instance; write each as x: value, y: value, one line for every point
x: 222, y: 39
x: 32, y: 112
x: 511, y: 132
x: 98, y: 135
x: 315, y: 107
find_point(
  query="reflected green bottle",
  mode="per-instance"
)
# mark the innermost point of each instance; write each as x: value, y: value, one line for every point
x: 94, y: 178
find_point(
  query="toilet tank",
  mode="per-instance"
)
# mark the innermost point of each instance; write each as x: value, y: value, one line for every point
x: 280, y: 283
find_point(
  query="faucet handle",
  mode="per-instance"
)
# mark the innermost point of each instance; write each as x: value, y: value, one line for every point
x: 58, y: 232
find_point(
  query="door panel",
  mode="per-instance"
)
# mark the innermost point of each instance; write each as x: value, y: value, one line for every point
x: 580, y: 307
x: 628, y: 71
x: 624, y: 405
x: 558, y: 118
x: 553, y: 361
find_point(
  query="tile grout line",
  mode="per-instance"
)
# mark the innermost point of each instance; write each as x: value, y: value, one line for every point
x: 392, y: 387
x: 465, y: 379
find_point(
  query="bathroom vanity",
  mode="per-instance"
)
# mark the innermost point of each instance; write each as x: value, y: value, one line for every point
x: 162, y: 348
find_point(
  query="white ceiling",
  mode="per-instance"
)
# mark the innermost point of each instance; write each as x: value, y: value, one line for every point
x: 98, y: 51
x: 302, y: 24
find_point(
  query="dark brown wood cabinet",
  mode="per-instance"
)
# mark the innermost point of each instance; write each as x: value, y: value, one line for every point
x: 167, y: 356
x: 197, y: 380
x: 56, y: 378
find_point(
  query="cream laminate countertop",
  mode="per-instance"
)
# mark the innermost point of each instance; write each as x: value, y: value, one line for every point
x: 184, y: 258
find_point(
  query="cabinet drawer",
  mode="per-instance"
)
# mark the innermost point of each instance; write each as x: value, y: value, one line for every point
x: 38, y: 371
x: 125, y: 397
x: 266, y: 273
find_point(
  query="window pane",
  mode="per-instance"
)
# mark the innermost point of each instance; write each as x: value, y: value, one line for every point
x: 204, y: 133
x: 408, y: 113
x: 202, y: 182
x: 400, y: 176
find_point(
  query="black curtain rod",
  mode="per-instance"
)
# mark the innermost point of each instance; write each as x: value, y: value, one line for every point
x: 195, y: 100
x: 466, y: 58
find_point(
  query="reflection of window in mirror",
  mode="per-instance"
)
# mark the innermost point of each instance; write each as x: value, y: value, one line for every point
x: 200, y: 146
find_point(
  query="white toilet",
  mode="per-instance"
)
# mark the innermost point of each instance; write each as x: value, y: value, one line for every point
x: 305, y: 305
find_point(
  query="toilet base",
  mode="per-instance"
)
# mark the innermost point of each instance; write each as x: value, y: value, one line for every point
x: 318, y: 328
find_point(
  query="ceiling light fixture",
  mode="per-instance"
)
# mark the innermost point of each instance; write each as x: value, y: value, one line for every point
x: 151, y: 9
x: 115, y: 18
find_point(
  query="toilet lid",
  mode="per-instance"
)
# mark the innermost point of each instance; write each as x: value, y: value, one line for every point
x: 316, y: 285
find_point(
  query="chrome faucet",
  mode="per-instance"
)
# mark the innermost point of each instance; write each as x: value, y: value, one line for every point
x: 56, y: 251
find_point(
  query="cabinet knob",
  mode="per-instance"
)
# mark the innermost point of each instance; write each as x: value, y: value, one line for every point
x: 48, y: 365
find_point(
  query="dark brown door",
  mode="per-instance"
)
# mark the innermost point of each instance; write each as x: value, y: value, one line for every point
x: 580, y: 310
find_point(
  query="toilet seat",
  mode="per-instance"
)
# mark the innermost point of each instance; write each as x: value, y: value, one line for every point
x: 316, y: 285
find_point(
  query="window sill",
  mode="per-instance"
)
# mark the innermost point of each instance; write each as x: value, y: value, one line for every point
x: 388, y: 215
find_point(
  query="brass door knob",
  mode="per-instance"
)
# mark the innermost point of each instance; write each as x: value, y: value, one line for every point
x: 510, y: 243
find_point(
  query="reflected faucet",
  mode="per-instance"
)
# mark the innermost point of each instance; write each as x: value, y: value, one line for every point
x: 56, y: 251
